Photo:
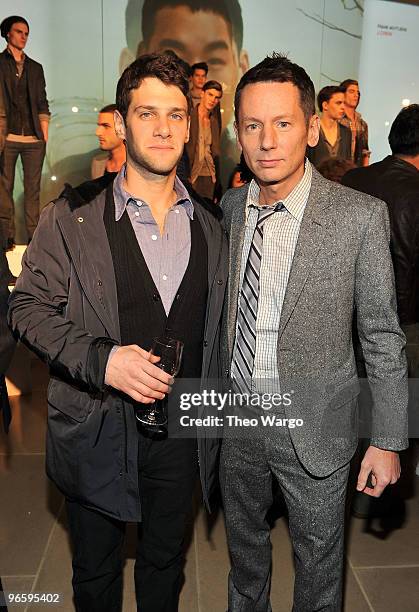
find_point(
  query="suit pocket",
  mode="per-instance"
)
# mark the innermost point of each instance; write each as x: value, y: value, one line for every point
x: 340, y: 419
x: 69, y: 400
x: 344, y: 393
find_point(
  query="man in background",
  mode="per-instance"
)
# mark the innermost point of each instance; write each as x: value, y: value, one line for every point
x: 27, y: 117
x: 199, y: 73
x: 352, y: 119
x: 334, y: 138
x: 108, y: 141
x: 395, y: 179
x: 203, y: 147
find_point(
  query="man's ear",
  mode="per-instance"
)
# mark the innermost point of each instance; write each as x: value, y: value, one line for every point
x: 313, y: 131
x: 244, y: 61
x: 188, y: 132
x: 126, y: 58
x: 120, y: 129
x: 236, y: 131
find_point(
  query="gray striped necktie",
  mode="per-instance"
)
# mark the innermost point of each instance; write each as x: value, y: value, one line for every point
x: 244, y: 355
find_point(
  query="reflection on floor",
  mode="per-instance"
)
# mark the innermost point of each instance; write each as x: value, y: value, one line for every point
x: 382, y: 564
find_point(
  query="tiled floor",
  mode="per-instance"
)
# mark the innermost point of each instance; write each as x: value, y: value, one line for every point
x: 382, y: 571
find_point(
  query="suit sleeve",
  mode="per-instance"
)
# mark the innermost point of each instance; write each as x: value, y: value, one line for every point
x: 43, y: 106
x: 383, y: 342
x: 37, y: 310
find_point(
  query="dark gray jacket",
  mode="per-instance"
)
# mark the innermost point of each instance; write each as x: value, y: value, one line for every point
x: 36, y: 89
x: 65, y: 298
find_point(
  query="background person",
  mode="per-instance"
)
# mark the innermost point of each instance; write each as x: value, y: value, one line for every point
x: 203, y: 146
x: 109, y: 142
x: 334, y: 138
x: 199, y: 73
x: 354, y: 121
x: 27, y: 118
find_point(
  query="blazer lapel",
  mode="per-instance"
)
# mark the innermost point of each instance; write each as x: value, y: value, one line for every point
x: 309, y: 242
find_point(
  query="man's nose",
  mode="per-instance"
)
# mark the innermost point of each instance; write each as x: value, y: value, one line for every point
x: 162, y: 127
x: 268, y: 138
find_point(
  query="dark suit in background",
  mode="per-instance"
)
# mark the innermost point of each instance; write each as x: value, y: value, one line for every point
x: 321, y: 152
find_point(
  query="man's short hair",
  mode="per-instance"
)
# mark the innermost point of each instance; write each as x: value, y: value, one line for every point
x: 326, y: 93
x: 347, y: 82
x: 109, y: 108
x: 213, y: 85
x: 6, y: 24
x: 166, y: 67
x: 228, y: 9
x: 279, y: 69
x: 199, y: 66
x: 404, y: 132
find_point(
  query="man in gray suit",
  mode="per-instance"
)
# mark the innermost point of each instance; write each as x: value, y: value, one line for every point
x: 303, y: 253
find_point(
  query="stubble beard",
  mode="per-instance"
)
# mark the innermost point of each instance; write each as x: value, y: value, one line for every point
x: 149, y: 164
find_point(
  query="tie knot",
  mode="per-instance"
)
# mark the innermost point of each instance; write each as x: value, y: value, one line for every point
x: 267, y: 211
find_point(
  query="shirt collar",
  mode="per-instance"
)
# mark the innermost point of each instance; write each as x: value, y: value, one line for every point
x: 122, y: 197
x: 10, y: 55
x: 295, y: 202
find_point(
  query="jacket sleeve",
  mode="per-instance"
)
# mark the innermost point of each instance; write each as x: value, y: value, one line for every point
x: 37, y: 310
x: 404, y: 246
x: 42, y: 102
x: 382, y: 340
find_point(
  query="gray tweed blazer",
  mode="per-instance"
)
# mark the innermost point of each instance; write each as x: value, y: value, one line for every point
x: 342, y: 265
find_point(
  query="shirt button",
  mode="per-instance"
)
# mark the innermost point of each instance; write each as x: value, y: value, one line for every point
x: 205, y: 343
x: 219, y: 281
x: 164, y: 277
x: 176, y: 211
x: 154, y: 237
x: 137, y: 214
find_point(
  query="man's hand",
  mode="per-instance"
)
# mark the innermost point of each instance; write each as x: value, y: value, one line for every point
x: 131, y: 369
x: 384, y: 467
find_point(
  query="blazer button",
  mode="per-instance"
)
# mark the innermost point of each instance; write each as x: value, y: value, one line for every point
x: 155, y: 297
x: 99, y: 282
x: 219, y: 281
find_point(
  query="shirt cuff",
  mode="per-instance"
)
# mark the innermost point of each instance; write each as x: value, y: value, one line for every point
x: 44, y: 117
x: 97, y: 361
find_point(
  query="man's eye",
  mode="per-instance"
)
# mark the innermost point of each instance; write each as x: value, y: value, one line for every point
x: 216, y: 62
x: 251, y: 127
x: 283, y: 124
x: 177, y: 116
x: 145, y: 115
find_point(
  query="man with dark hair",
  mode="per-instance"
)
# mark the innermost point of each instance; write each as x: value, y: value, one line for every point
x: 395, y: 179
x: 203, y: 147
x: 26, y: 122
x: 353, y: 120
x: 101, y: 279
x: 334, y: 138
x: 199, y: 73
x: 303, y: 252
x: 108, y: 141
x: 202, y: 30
